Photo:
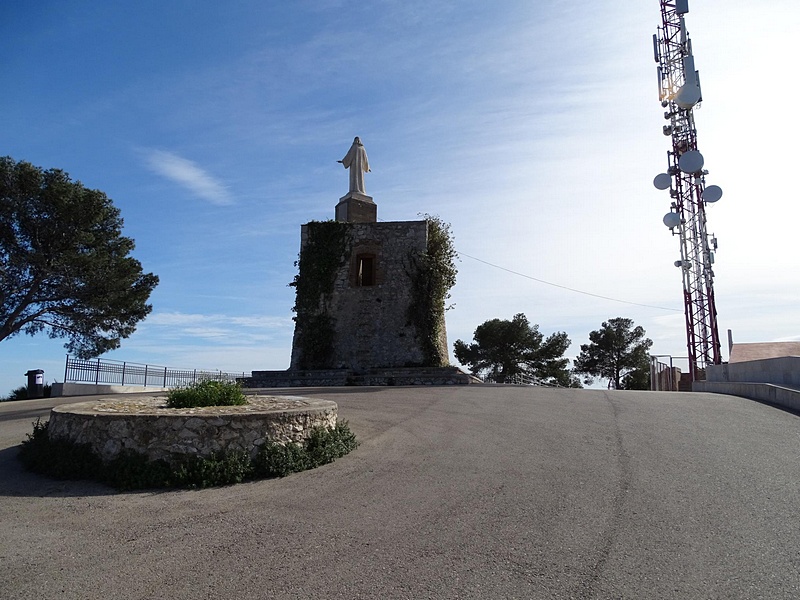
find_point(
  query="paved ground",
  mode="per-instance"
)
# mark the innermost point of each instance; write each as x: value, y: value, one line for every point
x: 455, y: 492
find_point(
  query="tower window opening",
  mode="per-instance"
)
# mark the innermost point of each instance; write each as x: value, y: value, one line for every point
x: 366, y: 270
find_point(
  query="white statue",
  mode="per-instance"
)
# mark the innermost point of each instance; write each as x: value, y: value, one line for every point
x: 356, y: 161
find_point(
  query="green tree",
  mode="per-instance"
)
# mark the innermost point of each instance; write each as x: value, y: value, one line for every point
x: 503, y: 349
x: 433, y: 275
x: 65, y: 267
x: 617, y: 351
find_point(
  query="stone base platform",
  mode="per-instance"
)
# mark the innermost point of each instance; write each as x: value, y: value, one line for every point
x: 338, y: 377
x: 147, y: 426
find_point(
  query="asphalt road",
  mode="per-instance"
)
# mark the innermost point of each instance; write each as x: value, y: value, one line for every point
x: 455, y: 492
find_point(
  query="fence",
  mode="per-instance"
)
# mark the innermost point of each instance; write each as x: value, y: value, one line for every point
x: 520, y: 379
x: 664, y: 377
x: 112, y: 372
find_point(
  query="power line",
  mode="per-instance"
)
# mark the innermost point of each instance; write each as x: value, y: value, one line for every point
x: 563, y: 287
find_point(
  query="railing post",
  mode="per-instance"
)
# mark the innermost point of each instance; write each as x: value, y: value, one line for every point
x: 165, y: 377
x: 66, y: 369
x: 97, y: 373
x: 145, y: 376
x: 123, y: 373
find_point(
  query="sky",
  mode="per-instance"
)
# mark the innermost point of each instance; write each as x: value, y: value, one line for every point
x: 533, y: 128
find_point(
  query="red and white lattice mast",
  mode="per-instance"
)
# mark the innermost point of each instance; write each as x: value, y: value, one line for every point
x: 679, y: 92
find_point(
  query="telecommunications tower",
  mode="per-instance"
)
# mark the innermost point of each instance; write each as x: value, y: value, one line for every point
x: 679, y: 92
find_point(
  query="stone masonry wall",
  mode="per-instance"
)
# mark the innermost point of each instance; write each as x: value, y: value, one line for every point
x: 391, y: 376
x: 145, y: 426
x: 372, y: 325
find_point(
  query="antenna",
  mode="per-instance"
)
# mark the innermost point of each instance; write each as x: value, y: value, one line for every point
x: 679, y: 93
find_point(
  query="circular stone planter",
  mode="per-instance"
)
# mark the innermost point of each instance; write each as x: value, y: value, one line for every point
x: 146, y: 425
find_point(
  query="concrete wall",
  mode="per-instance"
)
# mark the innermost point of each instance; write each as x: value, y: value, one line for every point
x: 773, y: 380
x: 765, y: 392
x: 666, y: 379
x: 783, y: 371
x: 90, y: 389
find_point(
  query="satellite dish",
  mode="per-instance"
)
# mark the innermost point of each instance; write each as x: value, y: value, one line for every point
x: 712, y: 193
x: 688, y: 95
x: 691, y: 162
x: 662, y: 181
x: 672, y: 219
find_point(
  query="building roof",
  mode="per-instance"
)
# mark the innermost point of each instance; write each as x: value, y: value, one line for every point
x: 762, y: 350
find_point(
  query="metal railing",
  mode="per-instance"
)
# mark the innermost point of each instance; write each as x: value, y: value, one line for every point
x: 521, y: 379
x: 665, y: 377
x: 112, y: 372
x: 661, y: 377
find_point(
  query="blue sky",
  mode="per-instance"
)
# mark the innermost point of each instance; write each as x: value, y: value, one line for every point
x: 534, y: 128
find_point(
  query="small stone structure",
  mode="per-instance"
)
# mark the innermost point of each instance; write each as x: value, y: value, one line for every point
x: 147, y: 426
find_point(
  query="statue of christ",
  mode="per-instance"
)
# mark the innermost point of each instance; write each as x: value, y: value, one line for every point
x: 356, y: 161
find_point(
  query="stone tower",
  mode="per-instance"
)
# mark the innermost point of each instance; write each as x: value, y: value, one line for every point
x: 363, y: 298
x: 370, y: 298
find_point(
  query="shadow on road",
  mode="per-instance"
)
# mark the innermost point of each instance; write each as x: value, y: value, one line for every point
x: 16, y: 481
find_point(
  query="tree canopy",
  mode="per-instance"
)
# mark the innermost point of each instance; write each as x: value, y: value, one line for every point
x: 503, y: 349
x: 65, y: 267
x: 617, y: 351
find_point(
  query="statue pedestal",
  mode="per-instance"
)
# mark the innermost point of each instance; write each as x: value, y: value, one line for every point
x: 356, y: 208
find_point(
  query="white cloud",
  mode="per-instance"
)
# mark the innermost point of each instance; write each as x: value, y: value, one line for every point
x: 210, y: 341
x: 187, y: 174
x: 216, y: 322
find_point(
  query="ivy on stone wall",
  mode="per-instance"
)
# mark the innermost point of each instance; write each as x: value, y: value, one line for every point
x: 318, y: 263
x: 431, y: 280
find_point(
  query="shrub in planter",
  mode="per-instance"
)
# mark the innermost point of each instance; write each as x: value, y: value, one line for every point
x: 132, y: 471
x: 206, y: 393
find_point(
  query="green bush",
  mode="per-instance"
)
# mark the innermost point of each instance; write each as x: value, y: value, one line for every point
x: 56, y: 458
x: 326, y: 445
x: 132, y: 471
x: 207, y: 392
x: 323, y: 446
x: 221, y: 469
x: 280, y: 460
x: 21, y: 393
